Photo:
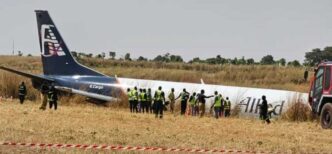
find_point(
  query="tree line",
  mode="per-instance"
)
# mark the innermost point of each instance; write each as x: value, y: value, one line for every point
x: 218, y: 60
x: 312, y: 58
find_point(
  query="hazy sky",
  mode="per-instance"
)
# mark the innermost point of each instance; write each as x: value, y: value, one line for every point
x: 190, y: 28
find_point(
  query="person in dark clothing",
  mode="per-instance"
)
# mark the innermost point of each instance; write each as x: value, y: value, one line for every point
x: 306, y: 73
x: 43, y: 95
x: 227, y: 107
x: 201, y: 100
x: 159, y: 97
x: 149, y: 101
x: 184, y: 98
x: 264, y: 110
x: 53, y: 97
x: 22, y: 91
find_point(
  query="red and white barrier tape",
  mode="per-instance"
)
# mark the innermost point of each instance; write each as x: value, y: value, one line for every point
x: 125, y: 148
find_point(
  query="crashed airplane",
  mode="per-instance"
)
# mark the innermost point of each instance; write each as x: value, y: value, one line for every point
x: 61, y: 69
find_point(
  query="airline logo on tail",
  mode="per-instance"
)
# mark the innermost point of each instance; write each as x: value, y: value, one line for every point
x: 50, y: 45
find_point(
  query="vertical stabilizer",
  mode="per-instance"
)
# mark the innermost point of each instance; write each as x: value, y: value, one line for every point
x: 55, y: 55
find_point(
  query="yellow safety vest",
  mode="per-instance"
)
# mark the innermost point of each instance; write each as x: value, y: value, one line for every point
x: 192, y: 100
x: 133, y: 94
x: 130, y: 96
x: 158, y: 95
x: 142, y: 96
x: 217, y: 102
x: 227, y: 105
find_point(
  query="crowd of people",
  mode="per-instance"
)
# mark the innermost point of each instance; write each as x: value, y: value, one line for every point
x: 142, y: 101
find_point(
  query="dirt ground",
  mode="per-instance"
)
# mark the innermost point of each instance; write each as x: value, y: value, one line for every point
x: 91, y: 124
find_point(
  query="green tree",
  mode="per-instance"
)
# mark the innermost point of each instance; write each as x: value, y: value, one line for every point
x: 294, y: 63
x: 112, y: 54
x: 234, y: 61
x: 282, y: 61
x: 241, y: 61
x: 267, y: 60
x: 195, y: 60
x: 175, y: 58
x: 141, y: 58
x: 317, y: 55
x: 250, y: 61
x: 127, y: 56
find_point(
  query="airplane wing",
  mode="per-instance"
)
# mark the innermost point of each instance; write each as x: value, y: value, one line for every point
x: 31, y: 76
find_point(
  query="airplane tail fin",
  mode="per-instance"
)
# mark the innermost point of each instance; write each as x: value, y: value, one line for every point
x: 55, y: 55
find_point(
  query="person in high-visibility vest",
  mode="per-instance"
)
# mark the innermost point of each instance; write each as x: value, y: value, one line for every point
x: 53, y: 97
x: 149, y: 100
x: 22, y: 91
x: 222, y: 109
x: 217, y: 104
x: 227, y: 107
x: 143, y: 101
x: 192, y: 102
x: 130, y: 100
x: 184, y: 98
x: 134, y: 94
x: 139, y: 105
x: 159, y: 97
x: 171, y: 98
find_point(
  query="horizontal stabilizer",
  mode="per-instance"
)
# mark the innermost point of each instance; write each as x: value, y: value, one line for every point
x: 32, y: 76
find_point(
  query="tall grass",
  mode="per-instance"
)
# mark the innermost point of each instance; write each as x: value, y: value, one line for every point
x: 9, y: 86
x: 298, y: 111
x: 273, y: 77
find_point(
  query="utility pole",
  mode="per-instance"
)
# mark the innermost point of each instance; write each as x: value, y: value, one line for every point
x: 13, y: 52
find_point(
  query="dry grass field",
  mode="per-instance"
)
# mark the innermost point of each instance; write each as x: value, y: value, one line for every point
x: 90, y: 124
x: 274, y: 77
x: 81, y: 123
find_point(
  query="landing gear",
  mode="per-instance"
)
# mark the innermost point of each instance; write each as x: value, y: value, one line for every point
x: 326, y: 116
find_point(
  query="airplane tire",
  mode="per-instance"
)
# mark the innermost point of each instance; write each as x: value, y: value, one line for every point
x: 326, y: 116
